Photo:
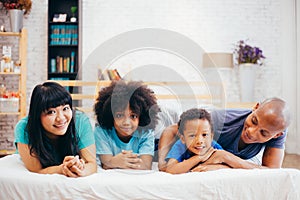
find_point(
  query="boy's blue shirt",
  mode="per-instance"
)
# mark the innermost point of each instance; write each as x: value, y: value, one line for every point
x: 180, y: 153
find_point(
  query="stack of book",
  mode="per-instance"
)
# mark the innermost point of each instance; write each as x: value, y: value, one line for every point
x: 62, y: 64
x: 64, y: 35
x: 109, y: 74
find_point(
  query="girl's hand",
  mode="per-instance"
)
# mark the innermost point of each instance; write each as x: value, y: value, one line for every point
x: 128, y: 160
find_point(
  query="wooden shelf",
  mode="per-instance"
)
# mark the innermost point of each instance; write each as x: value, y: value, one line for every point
x: 5, y: 152
x: 10, y: 34
x: 10, y: 73
x: 58, y: 49
x: 201, y: 97
x: 9, y: 113
x: 23, y: 73
x: 240, y: 105
x: 22, y: 37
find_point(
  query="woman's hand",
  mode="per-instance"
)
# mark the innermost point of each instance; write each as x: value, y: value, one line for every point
x: 72, y: 166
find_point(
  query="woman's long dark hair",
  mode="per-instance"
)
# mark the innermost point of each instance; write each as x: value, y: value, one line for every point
x: 45, y: 96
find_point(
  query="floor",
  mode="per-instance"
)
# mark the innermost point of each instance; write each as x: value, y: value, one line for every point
x: 291, y: 161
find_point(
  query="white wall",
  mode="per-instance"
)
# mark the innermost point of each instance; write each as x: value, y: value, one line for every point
x: 213, y: 25
x: 289, y: 69
x: 294, y: 142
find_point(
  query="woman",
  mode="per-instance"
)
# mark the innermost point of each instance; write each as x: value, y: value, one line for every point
x: 53, y: 139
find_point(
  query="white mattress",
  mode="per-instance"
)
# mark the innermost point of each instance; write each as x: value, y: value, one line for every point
x: 16, y: 182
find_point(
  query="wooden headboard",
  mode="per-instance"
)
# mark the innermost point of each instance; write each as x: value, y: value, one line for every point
x: 213, y: 95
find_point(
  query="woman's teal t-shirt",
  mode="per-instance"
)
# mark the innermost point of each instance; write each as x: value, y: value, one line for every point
x: 83, y: 127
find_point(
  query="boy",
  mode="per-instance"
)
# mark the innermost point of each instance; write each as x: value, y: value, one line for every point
x: 196, y: 132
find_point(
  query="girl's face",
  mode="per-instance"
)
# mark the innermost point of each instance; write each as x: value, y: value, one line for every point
x: 126, y: 122
x: 56, y: 120
x: 197, y: 136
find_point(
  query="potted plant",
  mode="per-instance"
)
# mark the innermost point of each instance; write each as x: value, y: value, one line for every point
x: 17, y: 9
x: 248, y: 58
x: 247, y: 54
x: 24, y: 5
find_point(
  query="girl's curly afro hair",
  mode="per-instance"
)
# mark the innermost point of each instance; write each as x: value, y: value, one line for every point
x: 116, y: 97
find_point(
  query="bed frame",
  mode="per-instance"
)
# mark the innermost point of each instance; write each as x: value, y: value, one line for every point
x: 204, y: 98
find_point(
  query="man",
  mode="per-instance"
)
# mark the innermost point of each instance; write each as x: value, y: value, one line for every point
x: 242, y: 134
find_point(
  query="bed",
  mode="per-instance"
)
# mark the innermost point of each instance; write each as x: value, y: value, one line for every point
x: 16, y: 182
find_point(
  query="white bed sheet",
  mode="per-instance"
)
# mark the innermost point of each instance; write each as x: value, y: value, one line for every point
x: 16, y: 182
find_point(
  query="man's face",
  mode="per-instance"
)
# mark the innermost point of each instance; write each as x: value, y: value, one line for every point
x: 261, y: 126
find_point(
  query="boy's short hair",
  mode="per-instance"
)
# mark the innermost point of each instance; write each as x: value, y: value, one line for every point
x: 191, y: 114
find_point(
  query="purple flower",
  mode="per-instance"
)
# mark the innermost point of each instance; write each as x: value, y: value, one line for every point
x: 247, y: 54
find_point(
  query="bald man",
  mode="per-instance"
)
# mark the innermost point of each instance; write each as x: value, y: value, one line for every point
x: 242, y: 134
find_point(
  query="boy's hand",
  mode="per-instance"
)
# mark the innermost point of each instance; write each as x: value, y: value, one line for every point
x: 207, y: 155
x: 217, y: 157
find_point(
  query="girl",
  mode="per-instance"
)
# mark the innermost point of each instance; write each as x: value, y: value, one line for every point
x: 126, y: 115
x: 49, y: 140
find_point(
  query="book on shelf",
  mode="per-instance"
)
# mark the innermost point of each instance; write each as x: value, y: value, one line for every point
x: 63, y: 35
x: 72, y: 64
x: 66, y: 64
x: 62, y: 64
x: 108, y: 74
x: 59, y: 64
x: 105, y: 75
x: 117, y: 75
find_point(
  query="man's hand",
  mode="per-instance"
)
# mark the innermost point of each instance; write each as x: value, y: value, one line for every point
x: 207, y: 155
x: 218, y: 157
x: 205, y: 168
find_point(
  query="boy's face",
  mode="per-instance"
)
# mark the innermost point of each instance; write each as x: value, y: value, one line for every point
x: 197, y: 136
x: 125, y: 122
x: 261, y: 126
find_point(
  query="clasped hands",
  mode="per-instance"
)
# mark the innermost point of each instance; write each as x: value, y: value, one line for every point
x: 73, y: 166
x: 128, y: 160
x: 214, y: 159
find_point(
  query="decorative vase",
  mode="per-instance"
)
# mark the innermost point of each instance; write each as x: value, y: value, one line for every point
x: 16, y: 20
x: 247, y: 75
